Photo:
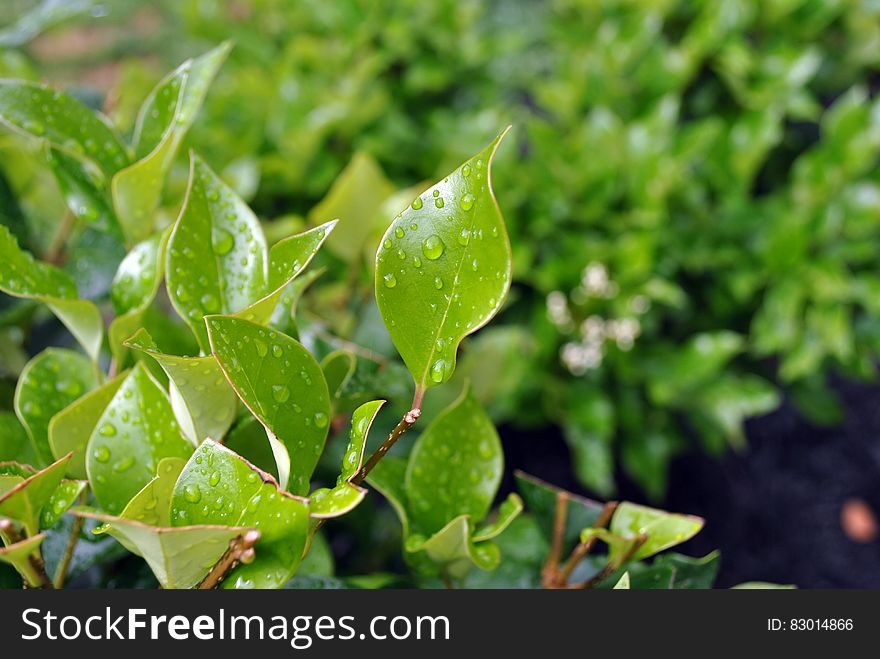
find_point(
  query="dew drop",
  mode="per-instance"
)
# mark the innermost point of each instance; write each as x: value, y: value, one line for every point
x: 464, y: 237
x: 261, y: 347
x: 192, y: 493
x: 467, y: 201
x: 432, y: 247
x: 438, y: 283
x: 438, y: 370
x: 390, y: 280
x: 277, y: 351
x: 280, y: 393
x: 222, y: 242
x: 108, y: 430
x: 417, y: 203
x: 466, y: 171
x: 320, y: 420
x: 214, y: 478
x: 438, y: 202
x: 101, y: 454
x: 398, y: 232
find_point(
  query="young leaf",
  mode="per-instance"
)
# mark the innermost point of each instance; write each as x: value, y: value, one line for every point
x: 663, y: 530
x: 69, y: 430
x: 19, y: 555
x: 152, y: 505
x: 453, y: 550
x: 136, y: 430
x: 163, y: 122
x: 82, y: 193
x: 356, y: 197
x: 216, y: 254
x: 508, y: 511
x: 443, y: 269
x: 283, y: 386
x: 134, y: 288
x: 64, y: 122
x: 332, y: 502
x: 49, y: 383
x: 338, y: 367
x: 179, y: 557
x: 25, y: 500
x: 203, y: 401
x: 64, y: 496
x: 287, y: 259
x: 22, y: 276
x: 219, y: 487
x: 623, y: 583
x: 455, y: 467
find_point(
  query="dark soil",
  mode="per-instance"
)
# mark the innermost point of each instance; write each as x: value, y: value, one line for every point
x: 774, y: 511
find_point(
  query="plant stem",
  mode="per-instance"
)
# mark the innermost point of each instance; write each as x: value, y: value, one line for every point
x: 550, y: 572
x: 241, y: 549
x: 610, y: 567
x: 61, y: 570
x: 99, y: 374
x: 408, y: 421
x: 584, y: 548
x: 59, y: 238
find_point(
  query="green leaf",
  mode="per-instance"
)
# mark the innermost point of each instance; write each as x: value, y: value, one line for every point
x: 64, y: 496
x: 691, y: 573
x: 287, y: 259
x: 83, y: 194
x: 662, y: 529
x: 23, y: 276
x: 219, y: 487
x: 623, y: 582
x: 356, y: 198
x: 25, y: 500
x: 163, y: 121
x: 332, y: 502
x: 134, y: 288
x: 453, y: 550
x: 135, y: 431
x: 541, y: 500
x: 179, y: 557
x: 217, y: 252
x: 15, y: 444
x: 455, y: 467
x: 338, y: 367
x: 65, y: 123
x: 152, y: 505
x: 443, y: 269
x: 389, y: 476
x: 283, y: 387
x: 18, y: 556
x: 508, y: 511
x: 70, y: 429
x: 203, y: 401
x: 49, y: 383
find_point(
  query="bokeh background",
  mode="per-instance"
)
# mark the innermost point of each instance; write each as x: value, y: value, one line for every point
x: 693, y: 198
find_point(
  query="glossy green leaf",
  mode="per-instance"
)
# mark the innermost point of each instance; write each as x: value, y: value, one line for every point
x: 164, y: 120
x: 136, y: 430
x: 70, y: 429
x: 180, y: 557
x: 23, y: 276
x: 64, y: 496
x: 443, y: 269
x: 287, y: 259
x: 19, y: 555
x: 152, y: 505
x: 25, y: 500
x: 203, y: 402
x: 508, y: 511
x: 663, y: 530
x: 355, y: 197
x: 217, y: 252
x: 344, y: 496
x: 134, y: 288
x: 541, y: 500
x: 219, y: 487
x: 455, y: 467
x: 452, y: 548
x: 15, y: 444
x: 49, y: 383
x: 338, y: 367
x: 283, y: 386
x: 64, y: 122
x: 82, y: 193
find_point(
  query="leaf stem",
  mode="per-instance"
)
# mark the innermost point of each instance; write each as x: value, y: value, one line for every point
x: 241, y: 550
x: 610, y: 566
x: 64, y: 565
x: 408, y: 421
x: 550, y: 572
x: 584, y: 548
x: 55, y: 250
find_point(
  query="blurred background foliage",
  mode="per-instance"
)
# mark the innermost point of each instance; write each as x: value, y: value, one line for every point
x: 691, y: 188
